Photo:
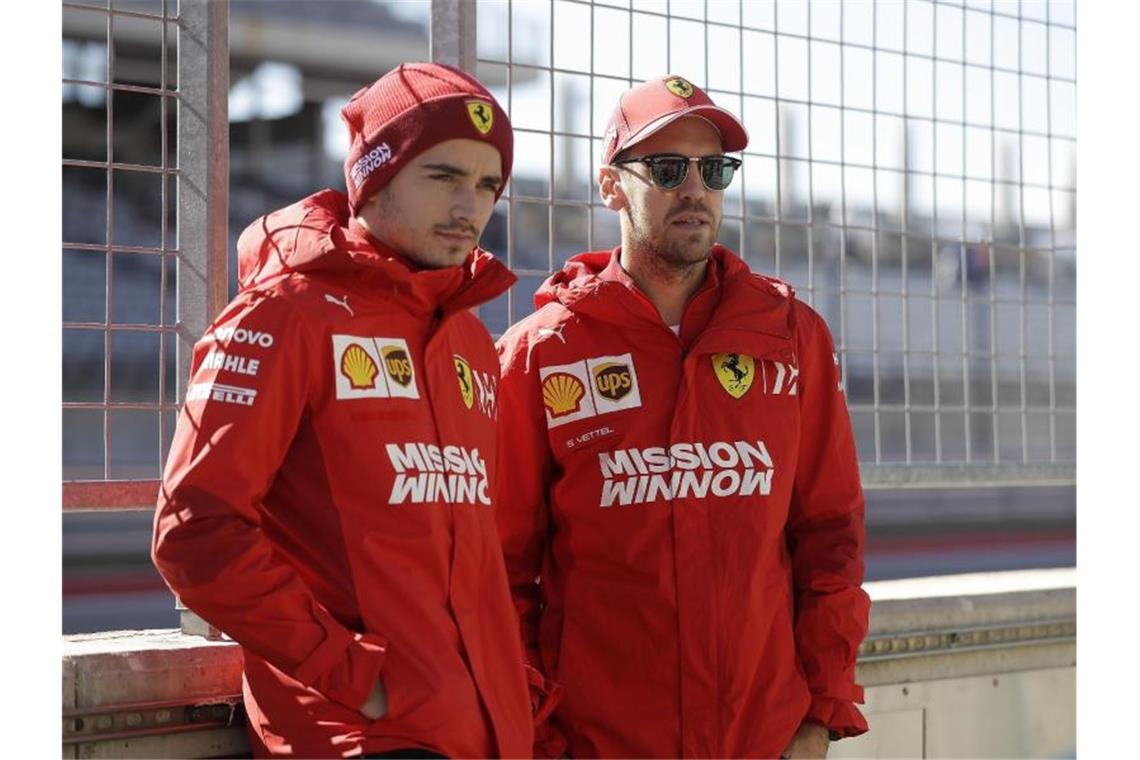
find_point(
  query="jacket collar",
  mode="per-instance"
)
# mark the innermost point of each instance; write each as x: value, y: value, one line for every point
x: 732, y: 300
x: 317, y: 236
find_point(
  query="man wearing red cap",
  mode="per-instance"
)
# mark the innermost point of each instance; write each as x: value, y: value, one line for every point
x: 683, y: 521
x: 328, y: 497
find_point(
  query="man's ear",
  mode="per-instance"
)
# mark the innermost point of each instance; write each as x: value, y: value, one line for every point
x: 610, y: 188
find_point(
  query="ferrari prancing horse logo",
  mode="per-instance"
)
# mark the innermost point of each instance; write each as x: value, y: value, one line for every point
x: 735, y: 372
x: 463, y: 374
x: 481, y: 115
x: 679, y: 87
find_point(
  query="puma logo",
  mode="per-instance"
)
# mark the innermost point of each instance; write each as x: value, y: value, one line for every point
x: 343, y: 302
x: 547, y: 331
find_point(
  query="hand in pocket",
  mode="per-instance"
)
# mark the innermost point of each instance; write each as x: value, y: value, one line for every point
x: 376, y: 706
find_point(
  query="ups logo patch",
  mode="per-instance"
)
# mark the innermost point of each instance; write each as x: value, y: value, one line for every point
x: 612, y: 380
x: 397, y: 364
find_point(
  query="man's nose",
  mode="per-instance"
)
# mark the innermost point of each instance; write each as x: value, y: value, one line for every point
x: 463, y: 204
x: 693, y: 187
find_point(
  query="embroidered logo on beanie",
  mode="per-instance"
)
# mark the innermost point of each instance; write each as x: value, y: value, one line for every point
x: 481, y: 115
x: 370, y: 162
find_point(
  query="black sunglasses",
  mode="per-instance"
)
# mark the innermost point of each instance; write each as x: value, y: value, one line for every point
x: 669, y: 170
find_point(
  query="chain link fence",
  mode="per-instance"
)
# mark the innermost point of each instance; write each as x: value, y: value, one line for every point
x: 911, y: 172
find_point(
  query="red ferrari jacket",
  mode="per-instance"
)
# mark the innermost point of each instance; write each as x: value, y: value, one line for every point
x: 328, y: 500
x: 683, y: 517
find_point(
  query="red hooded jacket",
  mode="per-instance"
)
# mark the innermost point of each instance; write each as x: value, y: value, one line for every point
x: 691, y: 506
x: 327, y: 501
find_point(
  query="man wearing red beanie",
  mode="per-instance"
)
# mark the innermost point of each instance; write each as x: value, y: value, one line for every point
x: 683, y: 525
x: 328, y: 498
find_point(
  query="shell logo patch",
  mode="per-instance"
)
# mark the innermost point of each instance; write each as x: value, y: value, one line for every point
x: 358, y: 367
x: 357, y: 360
x: 463, y: 375
x: 735, y: 372
x: 679, y: 86
x: 562, y: 394
x: 612, y: 380
x: 397, y: 364
x: 481, y: 115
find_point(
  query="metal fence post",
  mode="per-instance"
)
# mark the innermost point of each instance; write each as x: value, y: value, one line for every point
x: 203, y: 188
x: 452, y: 33
x: 452, y: 36
x: 203, y: 161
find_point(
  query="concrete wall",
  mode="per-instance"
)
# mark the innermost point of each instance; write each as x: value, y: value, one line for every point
x: 957, y: 666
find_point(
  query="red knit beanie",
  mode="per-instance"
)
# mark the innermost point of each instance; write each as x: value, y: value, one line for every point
x: 408, y: 110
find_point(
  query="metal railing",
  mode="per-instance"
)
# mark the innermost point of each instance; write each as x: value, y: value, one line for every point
x: 909, y: 172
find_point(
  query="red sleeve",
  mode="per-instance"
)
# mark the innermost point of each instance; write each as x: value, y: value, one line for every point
x: 247, y: 393
x: 826, y: 536
x: 523, y: 518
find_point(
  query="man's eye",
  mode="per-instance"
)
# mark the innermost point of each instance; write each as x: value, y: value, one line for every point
x: 492, y: 186
x: 444, y: 177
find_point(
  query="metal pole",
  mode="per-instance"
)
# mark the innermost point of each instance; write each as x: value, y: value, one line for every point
x: 203, y: 161
x: 452, y: 33
x: 203, y: 188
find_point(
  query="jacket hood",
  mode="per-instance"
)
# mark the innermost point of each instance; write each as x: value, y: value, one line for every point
x: 579, y: 274
x: 317, y: 235
x: 591, y: 283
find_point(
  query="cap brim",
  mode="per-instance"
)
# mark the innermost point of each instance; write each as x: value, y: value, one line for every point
x: 733, y: 136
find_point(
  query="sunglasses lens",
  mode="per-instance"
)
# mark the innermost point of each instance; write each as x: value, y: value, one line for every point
x: 669, y: 172
x: 717, y: 172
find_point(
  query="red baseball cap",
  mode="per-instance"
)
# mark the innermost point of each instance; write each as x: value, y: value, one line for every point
x: 650, y: 106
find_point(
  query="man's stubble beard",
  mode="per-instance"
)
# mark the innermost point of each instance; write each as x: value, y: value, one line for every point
x: 675, y: 252
x: 428, y: 254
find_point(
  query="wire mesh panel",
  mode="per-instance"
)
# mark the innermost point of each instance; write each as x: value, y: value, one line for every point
x: 118, y: 254
x: 911, y: 172
x: 122, y: 254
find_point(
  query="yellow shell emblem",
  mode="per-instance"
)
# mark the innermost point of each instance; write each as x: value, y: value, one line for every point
x: 562, y: 394
x: 397, y: 363
x: 735, y: 372
x: 463, y: 374
x: 481, y: 115
x: 679, y: 86
x: 358, y: 367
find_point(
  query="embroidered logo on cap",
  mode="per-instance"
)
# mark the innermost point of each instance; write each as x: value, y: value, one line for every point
x: 735, y: 372
x: 481, y: 115
x: 610, y: 136
x: 679, y: 87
